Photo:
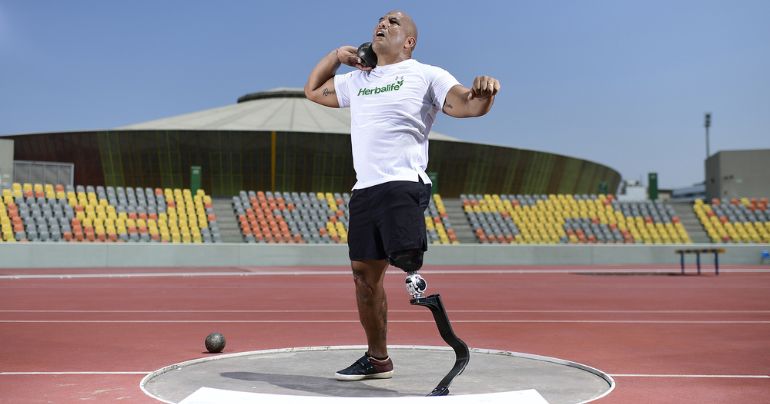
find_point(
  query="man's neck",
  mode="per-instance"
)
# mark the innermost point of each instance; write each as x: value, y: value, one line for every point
x: 385, y: 60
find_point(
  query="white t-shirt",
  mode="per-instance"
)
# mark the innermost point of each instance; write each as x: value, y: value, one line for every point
x: 392, y: 109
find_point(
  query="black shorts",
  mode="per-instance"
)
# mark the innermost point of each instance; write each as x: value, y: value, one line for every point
x: 387, y: 218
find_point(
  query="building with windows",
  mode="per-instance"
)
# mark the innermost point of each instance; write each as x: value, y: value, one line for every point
x: 738, y: 173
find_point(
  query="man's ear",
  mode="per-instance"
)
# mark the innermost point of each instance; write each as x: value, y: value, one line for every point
x: 411, y: 42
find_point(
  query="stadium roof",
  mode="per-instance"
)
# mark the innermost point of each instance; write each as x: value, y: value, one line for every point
x: 280, y: 109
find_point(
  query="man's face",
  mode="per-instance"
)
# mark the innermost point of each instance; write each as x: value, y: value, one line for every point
x: 391, y: 33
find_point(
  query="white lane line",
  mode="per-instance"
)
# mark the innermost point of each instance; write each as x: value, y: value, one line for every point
x: 71, y: 373
x: 392, y: 311
x: 396, y: 321
x: 694, y: 376
x: 348, y: 273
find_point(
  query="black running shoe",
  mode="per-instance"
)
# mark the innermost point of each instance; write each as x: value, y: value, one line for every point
x: 367, y: 368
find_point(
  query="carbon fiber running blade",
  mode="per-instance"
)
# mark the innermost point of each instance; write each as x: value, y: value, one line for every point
x: 462, y: 353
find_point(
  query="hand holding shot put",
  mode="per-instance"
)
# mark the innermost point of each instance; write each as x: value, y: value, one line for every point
x: 348, y: 55
x: 394, y: 100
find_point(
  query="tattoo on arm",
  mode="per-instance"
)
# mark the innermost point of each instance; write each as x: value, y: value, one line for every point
x: 327, y: 92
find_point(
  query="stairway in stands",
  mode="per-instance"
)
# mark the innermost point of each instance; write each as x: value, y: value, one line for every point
x: 228, y: 226
x: 690, y: 222
x: 454, y: 208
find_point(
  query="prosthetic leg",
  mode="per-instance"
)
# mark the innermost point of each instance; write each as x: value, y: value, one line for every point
x: 416, y: 286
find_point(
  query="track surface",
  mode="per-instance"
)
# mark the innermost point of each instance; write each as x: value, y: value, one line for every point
x: 683, y: 339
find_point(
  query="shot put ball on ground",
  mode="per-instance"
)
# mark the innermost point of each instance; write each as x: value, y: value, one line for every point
x: 215, y: 342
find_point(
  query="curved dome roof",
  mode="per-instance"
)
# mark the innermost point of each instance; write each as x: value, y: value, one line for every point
x: 279, y: 109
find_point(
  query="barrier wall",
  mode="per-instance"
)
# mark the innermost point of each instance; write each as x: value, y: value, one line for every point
x: 97, y: 255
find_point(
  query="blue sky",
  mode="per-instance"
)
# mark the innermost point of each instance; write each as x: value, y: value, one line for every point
x: 622, y: 83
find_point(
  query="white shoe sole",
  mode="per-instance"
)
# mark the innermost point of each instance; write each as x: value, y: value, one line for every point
x: 350, y: 378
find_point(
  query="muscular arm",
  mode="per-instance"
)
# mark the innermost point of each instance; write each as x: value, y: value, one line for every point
x: 320, y: 85
x: 463, y: 102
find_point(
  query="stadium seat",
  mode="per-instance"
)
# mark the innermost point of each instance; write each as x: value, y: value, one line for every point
x: 54, y: 212
x: 564, y: 219
x: 737, y: 220
x: 282, y: 217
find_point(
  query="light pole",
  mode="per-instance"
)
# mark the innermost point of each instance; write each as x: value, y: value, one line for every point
x: 707, y: 124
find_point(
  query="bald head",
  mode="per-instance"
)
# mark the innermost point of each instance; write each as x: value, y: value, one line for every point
x: 408, y: 23
x: 395, y: 37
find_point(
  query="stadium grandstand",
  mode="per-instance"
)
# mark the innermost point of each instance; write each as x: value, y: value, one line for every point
x: 37, y: 212
x: 735, y: 220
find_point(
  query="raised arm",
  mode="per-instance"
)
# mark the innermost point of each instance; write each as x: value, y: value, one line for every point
x: 320, y: 85
x: 463, y: 102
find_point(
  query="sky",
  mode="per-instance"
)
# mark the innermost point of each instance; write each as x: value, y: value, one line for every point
x: 622, y: 83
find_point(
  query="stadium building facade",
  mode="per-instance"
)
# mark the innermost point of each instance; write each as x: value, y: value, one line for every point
x: 278, y: 140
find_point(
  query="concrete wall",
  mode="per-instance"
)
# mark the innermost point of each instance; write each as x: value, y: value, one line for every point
x: 738, y: 173
x: 97, y: 255
x: 6, y: 161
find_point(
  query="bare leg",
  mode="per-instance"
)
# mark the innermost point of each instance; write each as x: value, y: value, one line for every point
x: 372, y: 303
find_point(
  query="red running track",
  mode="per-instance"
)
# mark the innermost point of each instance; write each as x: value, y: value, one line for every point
x: 665, y: 339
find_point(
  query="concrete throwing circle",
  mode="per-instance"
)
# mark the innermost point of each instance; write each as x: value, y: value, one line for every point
x: 309, y: 371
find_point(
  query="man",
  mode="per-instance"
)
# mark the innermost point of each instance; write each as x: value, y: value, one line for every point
x: 392, y: 108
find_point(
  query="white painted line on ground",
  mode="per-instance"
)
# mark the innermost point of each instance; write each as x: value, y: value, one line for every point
x: 394, y: 321
x: 695, y: 376
x: 71, y: 373
x: 139, y: 372
x: 392, y: 311
x: 207, y: 395
x: 348, y: 273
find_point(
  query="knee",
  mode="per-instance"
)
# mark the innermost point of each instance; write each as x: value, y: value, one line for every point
x: 366, y: 281
x: 366, y: 292
x: 359, y: 278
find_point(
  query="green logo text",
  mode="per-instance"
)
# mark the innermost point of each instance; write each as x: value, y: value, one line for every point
x: 395, y: 86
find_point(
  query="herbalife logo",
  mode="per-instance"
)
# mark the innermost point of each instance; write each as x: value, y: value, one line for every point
x: 377, y: 90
